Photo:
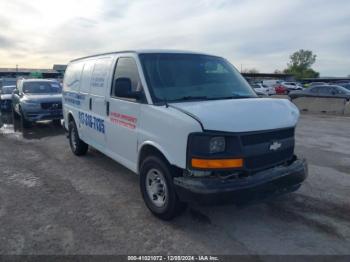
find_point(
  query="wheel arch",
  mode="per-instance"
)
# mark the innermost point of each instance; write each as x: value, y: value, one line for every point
x: 150, y: 148
x: 70, y: 117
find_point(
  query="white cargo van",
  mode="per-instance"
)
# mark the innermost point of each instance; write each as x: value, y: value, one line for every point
x: 187, y: 123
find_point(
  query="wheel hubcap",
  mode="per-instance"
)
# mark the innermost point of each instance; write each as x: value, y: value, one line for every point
x: 156, y: 187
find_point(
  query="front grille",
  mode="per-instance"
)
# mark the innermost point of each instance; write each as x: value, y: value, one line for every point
x: 51, y: 105
x: 258, y: 138
x: 258, y: 152
x: 268, y: 160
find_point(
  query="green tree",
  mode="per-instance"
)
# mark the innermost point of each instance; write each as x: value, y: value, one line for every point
x: 300, y: 64
x: 251, y: 71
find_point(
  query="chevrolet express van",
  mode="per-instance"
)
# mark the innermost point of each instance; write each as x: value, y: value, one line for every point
x: 187, y: 123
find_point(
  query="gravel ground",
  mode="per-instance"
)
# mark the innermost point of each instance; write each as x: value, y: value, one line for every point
x: 52, y: 202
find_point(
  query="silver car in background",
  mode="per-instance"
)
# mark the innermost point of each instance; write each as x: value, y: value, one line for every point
x: 37, y: 99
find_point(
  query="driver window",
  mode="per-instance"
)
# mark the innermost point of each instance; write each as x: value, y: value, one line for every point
x: 126, y: 74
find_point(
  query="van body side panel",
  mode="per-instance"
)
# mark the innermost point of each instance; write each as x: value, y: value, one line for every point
x: 169, y: 129
x: 84, y: 97
x: 92, y: 117
x: 72, y: 101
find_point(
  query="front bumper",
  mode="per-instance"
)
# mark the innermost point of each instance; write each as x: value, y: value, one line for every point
x: 43, y: 115
x: 267, y: 183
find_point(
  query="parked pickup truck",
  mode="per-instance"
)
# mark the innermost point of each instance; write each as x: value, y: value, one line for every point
x: 187, y: 123
x: 37, y: 99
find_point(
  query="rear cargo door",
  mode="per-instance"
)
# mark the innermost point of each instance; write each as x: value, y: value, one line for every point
x: 93, y: 117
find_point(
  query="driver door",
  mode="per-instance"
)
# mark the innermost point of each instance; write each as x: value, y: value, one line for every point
x: 123, y: 113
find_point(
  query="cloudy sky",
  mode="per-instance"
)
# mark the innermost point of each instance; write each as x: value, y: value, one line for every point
x: 257, y: 34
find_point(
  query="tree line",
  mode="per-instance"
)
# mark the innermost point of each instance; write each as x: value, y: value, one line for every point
x: 299, y: 65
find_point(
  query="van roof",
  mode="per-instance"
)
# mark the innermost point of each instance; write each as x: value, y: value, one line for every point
x: 144, y: 51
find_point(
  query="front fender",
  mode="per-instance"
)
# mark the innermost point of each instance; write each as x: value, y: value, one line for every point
x: 162, y: 150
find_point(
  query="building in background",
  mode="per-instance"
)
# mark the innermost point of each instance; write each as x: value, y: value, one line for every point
x: 60, y: 68
x: 56, y: 72
x: 259, y: 77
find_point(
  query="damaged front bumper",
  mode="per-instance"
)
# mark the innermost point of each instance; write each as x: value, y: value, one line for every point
x: 267, y: 183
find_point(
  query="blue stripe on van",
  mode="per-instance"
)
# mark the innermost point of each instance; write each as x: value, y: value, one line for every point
x: 73, y: 98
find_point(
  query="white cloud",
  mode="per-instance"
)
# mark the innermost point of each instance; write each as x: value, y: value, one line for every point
x: 256, y: 33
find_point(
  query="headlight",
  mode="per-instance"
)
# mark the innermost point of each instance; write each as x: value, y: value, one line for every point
x: 210, y: 151
x: 217, y: 145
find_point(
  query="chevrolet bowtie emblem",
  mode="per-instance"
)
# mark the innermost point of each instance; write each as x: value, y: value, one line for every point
x: 275, y: 146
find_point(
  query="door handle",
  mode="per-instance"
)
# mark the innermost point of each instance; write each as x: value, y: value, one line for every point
x: 90, y: 103
x: 107, y: 108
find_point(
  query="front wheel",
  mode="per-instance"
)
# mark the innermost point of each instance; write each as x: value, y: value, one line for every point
x: 24, y: 122
x: 15, y: 116
x: 157, y: 188
x: 78, y: 146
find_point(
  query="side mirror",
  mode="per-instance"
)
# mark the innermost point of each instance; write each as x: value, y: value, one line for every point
x: 123, y: 88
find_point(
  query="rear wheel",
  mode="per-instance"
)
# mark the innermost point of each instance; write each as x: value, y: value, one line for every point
x: 78, y: 146
x: 157, y: 188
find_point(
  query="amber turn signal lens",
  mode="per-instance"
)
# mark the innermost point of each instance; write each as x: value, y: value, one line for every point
x: 216, y: 163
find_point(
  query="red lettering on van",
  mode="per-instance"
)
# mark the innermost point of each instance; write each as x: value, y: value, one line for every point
x: 123, y: 120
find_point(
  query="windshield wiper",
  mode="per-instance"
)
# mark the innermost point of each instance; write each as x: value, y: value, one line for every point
x: 189, y: 98
x: 186, y: 98
x: 230, y: 97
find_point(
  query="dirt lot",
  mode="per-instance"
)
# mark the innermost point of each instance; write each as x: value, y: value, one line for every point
x: 52, y: 202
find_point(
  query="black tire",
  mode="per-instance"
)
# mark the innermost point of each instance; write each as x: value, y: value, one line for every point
x: 78, y: 146
x: 56, y: 122
x: 15, y: 116
x: 173, y: 206
x: 25, y: 123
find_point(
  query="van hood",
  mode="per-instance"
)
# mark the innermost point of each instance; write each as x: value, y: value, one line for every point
x: 242, y: 115
x: 43, y: 97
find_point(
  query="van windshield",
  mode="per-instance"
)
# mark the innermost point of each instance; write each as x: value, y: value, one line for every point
x: 189, y: 77
x: 41, y: 87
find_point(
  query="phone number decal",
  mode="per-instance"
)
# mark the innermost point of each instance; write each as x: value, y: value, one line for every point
x: 92, y: 122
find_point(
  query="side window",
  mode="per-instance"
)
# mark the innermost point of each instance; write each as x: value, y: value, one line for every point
x: 126, y: 78
x: 72, y: 77
x: 337, y: 91
x: 321, y: 90
x: 315, y: 90
x: 100, y: 76
x: 327, y: 90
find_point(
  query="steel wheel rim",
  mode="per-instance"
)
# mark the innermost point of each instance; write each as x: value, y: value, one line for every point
x: 156, y: 188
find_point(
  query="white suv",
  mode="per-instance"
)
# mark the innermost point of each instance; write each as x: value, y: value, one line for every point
x: 292, y: 86
x: 188, y: 124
